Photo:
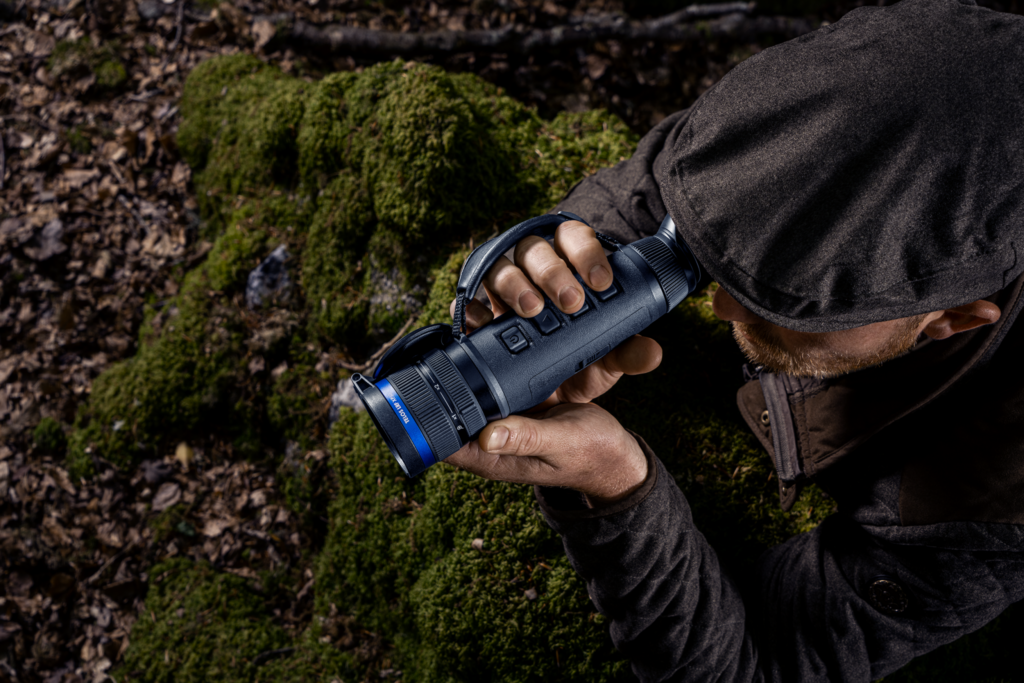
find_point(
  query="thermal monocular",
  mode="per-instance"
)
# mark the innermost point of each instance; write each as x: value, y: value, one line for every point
x: 438, y: 387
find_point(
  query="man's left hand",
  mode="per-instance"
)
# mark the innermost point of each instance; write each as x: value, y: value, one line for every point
x: 575, y: 445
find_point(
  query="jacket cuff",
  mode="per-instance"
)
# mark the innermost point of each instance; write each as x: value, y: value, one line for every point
x: 560, y: 504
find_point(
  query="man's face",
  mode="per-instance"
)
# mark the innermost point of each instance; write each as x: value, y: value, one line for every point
x: 817, y: 354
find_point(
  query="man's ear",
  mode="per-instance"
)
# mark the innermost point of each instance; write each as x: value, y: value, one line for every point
x: 962, y: 318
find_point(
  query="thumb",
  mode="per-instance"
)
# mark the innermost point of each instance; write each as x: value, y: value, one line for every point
x: 514, y: 435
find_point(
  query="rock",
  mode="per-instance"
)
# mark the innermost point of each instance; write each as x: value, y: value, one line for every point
x: 344, y: 395
x: 48, y: 242
x: 530, y: 594
x: 269, y: 281
x: 477, y: 544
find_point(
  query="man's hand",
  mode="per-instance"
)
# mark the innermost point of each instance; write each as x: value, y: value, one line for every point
x: 578, y: 446
x: 543, y: 267
x: 576, y: 244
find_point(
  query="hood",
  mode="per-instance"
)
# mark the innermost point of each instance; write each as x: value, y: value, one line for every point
x: 868, y: 171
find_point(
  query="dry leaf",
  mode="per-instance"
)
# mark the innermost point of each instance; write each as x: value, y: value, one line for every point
x: 167, y: 495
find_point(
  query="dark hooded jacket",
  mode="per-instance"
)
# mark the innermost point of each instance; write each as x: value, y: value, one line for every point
x: 868, y: 171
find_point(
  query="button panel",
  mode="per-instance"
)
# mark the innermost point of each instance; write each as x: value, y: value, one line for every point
x: 546, y: 321
x: 514, y: 339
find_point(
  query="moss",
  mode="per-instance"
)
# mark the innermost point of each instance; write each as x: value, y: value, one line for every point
x: 186, y: 374
x: 382, y: 159
x: 111, y: 74
x: 79, y: 141
x: 239, y: 137
x: 199, y: 625
x: 78, y: 58
x: 299, y: 397
x: 49, y: 436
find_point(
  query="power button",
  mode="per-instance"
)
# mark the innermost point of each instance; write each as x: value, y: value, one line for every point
x: 514, y: 339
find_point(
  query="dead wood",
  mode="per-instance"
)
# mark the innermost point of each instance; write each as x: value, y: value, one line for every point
x: 694, y: 23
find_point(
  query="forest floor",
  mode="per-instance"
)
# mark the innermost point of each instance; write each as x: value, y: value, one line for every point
x: 97, y: 220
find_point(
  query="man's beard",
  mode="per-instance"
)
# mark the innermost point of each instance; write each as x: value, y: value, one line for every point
x: 764, y: 348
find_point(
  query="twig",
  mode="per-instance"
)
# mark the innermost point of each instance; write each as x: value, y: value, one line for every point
x: 181, y: 22
x: 270, y: 654
x: 726, y: 20
x: 364, y: 367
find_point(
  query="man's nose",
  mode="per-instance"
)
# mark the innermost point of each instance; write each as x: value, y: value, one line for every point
x: 727, y: 308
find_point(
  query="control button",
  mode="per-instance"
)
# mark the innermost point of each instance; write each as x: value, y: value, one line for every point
x: 612, y: 290
x: 514, y: 339
x: 583, y: 309
x: 546, y: 321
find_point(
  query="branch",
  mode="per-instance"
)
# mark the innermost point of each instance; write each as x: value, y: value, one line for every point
x: 379, y: 353
x: 731, y: 20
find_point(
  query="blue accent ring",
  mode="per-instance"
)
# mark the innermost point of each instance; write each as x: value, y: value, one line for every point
x: 408, y: 421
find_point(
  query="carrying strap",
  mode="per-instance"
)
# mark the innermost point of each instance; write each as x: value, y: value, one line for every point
x: 488, y: 253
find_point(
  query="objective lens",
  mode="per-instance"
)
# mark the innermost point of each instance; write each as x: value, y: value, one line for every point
x: 425, y: 410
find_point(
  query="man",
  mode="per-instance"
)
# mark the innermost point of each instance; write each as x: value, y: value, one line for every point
x: 858, y: 194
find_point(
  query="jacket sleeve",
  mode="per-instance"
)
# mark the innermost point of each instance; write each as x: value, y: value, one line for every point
x: 624, y: 201
x: 810, y: 614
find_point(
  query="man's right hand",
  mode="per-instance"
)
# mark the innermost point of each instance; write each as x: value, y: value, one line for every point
x: 542, y: 267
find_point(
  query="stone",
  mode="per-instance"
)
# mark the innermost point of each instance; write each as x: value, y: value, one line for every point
x: 269, y: 281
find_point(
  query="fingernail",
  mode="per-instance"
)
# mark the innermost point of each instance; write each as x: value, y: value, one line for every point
x: 568, y: 297
x: 499, y: 437
x: 600, y: 277
x: 528, y: 302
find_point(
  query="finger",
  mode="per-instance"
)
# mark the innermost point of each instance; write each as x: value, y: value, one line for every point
x: 635, y: 356
x: 544, y: 267
x: 577, y: 243
x: 547, y: 434
x: 513, y: 288
x: 518, y: 470
x: 477, y: 315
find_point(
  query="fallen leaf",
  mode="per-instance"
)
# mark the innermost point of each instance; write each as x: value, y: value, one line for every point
x: 262, y: 32
x: 167, y: 495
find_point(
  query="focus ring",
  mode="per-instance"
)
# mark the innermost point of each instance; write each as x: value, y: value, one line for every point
x: 457, y: 389
x: 430, y: 416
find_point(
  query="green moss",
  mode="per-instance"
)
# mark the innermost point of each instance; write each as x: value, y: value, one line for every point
x: 111, y: 74
x: 186, y: 374
x: 78, y: 58
x: 397, y: 164
x: 79, y: 141
x: 199, y: 625
x: 49, y: 436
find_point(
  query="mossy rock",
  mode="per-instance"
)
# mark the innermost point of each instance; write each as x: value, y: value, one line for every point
x: 372, y: 180
x: 394, y: 168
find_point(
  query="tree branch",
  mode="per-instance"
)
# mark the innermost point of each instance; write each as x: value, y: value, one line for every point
x: 696, y: 22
